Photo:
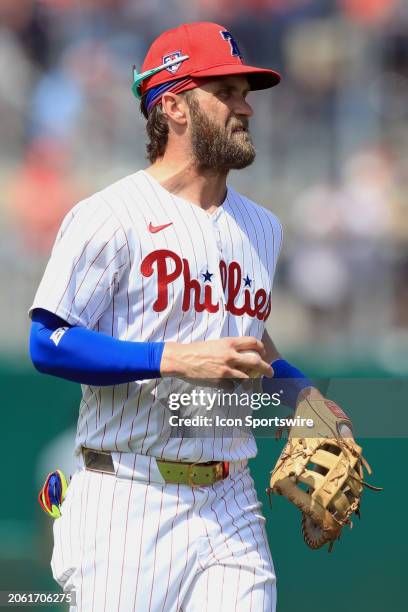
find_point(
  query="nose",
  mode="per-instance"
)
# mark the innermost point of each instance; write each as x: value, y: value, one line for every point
x: 244, y: 108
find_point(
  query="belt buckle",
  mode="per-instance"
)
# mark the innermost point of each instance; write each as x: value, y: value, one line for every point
x: 219, y: 471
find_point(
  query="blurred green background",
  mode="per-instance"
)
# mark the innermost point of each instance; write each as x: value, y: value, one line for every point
x: 332, y: 163
x: 365, y: 572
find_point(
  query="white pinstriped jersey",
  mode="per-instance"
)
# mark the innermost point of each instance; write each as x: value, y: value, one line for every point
x: 140, y: 264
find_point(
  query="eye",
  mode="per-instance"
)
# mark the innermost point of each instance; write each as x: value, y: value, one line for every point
x: 224, y: 94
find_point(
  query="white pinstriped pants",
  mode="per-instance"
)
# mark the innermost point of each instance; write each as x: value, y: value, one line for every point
x: 125, y: 545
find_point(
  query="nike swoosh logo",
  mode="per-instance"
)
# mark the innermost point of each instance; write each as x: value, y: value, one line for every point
x: 153, y: 229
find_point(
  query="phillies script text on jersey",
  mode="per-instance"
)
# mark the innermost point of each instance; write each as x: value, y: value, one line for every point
x: 231, y: 278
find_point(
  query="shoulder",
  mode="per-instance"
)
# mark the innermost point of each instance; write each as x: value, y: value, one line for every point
x: 93, y: 222
x: 109, y: 203
x: 124, y: 187
x: 86, y: 215
x: 127, y: 199
x: 129, y: 190
x: 257, y: 212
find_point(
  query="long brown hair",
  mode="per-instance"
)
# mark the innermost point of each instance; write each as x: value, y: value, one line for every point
x: 157, y: 128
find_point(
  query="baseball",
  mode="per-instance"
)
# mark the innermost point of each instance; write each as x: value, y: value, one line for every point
x: 252, y: 372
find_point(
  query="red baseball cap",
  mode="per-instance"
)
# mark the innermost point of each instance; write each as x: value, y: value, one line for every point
x: 205, y: 50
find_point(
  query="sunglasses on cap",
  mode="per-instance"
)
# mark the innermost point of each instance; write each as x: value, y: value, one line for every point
x: 139, y: 77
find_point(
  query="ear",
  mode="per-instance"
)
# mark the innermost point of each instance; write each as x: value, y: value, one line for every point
x: 174, y: 107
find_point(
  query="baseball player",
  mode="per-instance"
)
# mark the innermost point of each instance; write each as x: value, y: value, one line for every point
x: 165, y: 275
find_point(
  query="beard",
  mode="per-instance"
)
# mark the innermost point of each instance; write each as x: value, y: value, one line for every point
x: 215, y: 147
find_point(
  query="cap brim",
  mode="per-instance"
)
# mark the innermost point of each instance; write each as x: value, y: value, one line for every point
x: 258, y: 78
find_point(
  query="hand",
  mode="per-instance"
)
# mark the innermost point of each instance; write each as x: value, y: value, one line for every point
x: 313, y: 394
x: 215, y: 359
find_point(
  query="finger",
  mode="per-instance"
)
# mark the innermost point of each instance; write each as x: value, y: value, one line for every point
x: 249, y: 342
x: 345, y: 431
x: 249, y: 360
x: 234, y: 373
x: 265, y: 369
x: 257, y: 351
x: 262, y: 352
x: 261, y: 367
x: 270, y: 372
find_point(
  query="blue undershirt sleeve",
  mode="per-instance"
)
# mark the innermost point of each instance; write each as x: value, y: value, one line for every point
x: 89, y: 357
x: 287, y: 381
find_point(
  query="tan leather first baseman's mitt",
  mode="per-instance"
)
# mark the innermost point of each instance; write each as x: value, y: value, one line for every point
x: 321, y: 474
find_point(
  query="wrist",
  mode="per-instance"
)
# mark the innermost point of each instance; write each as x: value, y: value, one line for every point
x: 288, y: 381
x: 171, y: 362
x: 311, y: 393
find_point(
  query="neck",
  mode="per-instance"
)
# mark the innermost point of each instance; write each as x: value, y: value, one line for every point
x: 206, y: 189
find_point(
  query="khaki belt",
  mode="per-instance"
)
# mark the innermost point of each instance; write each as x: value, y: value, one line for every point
x: 175, y: 472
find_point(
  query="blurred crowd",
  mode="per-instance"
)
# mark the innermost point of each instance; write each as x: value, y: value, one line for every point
x: 332, y: 144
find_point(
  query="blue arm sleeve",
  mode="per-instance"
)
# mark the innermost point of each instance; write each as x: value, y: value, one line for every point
x: 89, y: 357
x: 287, y: 380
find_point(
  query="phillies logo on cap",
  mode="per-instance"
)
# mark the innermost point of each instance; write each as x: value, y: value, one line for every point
x: 233, y: 43
x: 170, y: 57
